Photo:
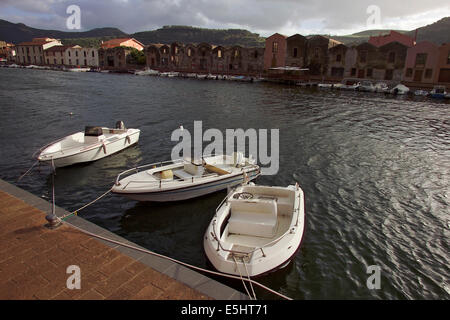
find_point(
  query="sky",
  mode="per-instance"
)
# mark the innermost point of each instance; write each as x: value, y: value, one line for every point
x: 339, y: 17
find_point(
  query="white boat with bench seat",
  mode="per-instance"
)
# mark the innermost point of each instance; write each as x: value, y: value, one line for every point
x: 93, y: 144
x: 256, y: 230
x: 183, y: 179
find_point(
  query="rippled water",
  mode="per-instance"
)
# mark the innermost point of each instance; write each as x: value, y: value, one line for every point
x: 375, y: 171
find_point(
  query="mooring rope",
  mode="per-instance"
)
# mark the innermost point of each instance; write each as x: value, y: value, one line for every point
x: 242, y: 279
x: 23, y: 175
x: 176, y: 261
x: 75, y: 212
x: 248, y: 276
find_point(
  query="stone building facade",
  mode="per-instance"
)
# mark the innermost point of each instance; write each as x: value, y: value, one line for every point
x: 204, y: 58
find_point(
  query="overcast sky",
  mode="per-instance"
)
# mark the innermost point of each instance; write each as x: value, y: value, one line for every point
x: 265, y: 17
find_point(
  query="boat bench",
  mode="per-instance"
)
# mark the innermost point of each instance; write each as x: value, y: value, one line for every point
x: 253, y: 218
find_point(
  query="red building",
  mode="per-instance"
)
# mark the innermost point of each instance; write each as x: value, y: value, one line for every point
x: 393, y: 36
x: 275, y: 51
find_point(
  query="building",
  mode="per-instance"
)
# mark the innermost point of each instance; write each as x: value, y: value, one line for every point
x: 32, y: 52
x: 7, y: 51
x: 204, y: 58
x: 81, y: 57
x: 55, y: 55
x: 118, y: 58
x: 379, y: 63
x: 296, y: 46
x: 393, y: 36
x: 443, y: 64
x: 122, y: 42
x: 337, y: 62
x: 316, y: 58
x: 275, y: 51
x: 421, y: 63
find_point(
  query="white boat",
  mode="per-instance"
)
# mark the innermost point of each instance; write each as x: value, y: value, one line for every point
x: 399, y: 89
x: 147, y: 72
x: 366, y: 86
x: 93, y: 144
x: 191, y: 75
x: 183, y: 179
x: 78, y: 69
x: 201, y: 76
x: 381, y: 87
x: 438, y: 92
x: 349, y: 84
x: 325, y: 85
x: 421, y: 93
x: 256, y: 230
x: 211, y: 76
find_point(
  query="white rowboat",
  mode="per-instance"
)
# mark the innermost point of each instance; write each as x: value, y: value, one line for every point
x: 256, y: 230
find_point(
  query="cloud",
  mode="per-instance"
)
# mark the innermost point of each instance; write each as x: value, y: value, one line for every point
x: 262, y: 16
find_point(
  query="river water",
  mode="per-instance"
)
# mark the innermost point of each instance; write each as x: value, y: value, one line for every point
x: 375, y: 171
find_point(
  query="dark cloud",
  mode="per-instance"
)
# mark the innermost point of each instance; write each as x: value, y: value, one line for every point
x: 262, y: 16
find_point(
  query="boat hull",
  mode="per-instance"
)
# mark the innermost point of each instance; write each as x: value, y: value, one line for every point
x: 95, y: 152
x: 190, y: 192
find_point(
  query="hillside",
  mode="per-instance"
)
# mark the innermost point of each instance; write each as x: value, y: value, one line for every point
x: 438, y: 32
x: 186, y: 34
x: 18, y: 32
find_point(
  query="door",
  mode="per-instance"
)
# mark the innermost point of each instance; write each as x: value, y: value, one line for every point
x: 418, y: 75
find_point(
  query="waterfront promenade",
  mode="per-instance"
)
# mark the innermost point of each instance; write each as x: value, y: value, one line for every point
x: 34, y: 260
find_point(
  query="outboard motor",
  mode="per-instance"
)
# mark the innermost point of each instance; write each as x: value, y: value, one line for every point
x: 120, y: 125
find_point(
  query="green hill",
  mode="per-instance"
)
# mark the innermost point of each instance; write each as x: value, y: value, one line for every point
x: 18, y: 32
x: 186, y: 34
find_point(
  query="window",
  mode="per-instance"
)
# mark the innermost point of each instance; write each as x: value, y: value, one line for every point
x: 93, y: 54
x: 275, y: 47
x: 84, y: 53
x: 54, y: 61
x: 77, y: 63
x: 70, y: 61
x: 369, y: 72
x: 421, y: 59
x: 448, y: 58
x: 338, y: 58
x: 409, y: 72
x: 85, y: 62
x: 316, y: 53
x: 353, y: 72
x: 219, y: 53
x: 189, y: 52
x: 48, y: 61
x: 428, y: 73
x: 176, y: 50
x: 294, y: 54
x: 236, y: 53
x: 363, y: 56
x: 76, y: 53
x: 391, y: 57
x: 69, y: 54
x: 256, y: 54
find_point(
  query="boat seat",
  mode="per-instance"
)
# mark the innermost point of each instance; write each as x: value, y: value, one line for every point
x: 253, y: 217
x: 182, y: 174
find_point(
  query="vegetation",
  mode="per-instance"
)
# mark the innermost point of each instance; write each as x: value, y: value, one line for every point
x: 136, y: 56
x: 186, y: 34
